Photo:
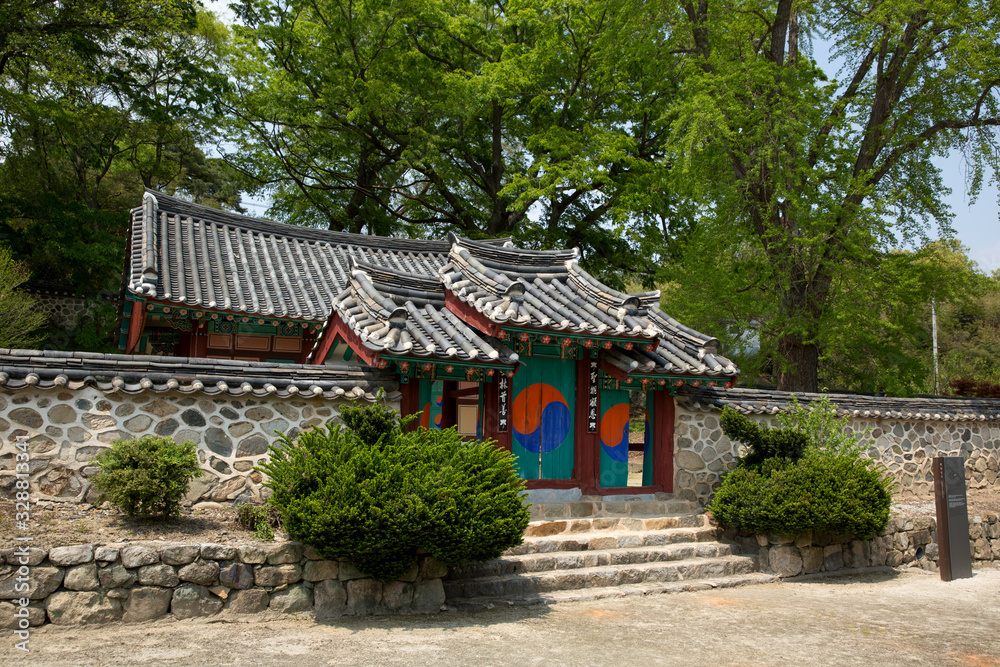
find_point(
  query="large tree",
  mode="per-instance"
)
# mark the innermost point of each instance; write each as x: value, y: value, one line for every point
x: 806, y: 180
x: 122, y: 96
x: 535, y: 118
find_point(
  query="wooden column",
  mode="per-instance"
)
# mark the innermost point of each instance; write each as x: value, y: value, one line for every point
x: 449, y: 404
x: 409, y: 402
x: 588, y: 445
x: 663, y: 436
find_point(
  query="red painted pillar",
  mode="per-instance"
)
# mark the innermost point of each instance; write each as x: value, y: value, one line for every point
x: 663, y: 436
x: 409, y: 402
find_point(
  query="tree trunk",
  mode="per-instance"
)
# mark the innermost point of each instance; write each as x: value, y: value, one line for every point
x: 798, y: 364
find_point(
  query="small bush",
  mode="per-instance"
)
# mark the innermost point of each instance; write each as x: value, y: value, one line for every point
x: 262, y: 519
x: 807, y: 476
x: 148, y: 476
x: 377, y: 495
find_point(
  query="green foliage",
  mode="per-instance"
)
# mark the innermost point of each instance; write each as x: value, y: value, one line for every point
x: 148, y: 476
x: 20, y: 317
x: 373, y: 423
x: 834, y: 493
x: 824, y: 430
x: 99, y: 98
x: 809, y: 475
x: 460, y: 116
x: 763, y: 443
x: 376, y: 502
x: 807, y: 183
x: 262, y: 519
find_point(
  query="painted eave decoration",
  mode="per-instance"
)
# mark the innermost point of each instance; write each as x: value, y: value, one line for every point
x: 454, y: 308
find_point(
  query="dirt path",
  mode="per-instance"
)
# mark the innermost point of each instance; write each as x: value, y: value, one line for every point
x: 911, y: 618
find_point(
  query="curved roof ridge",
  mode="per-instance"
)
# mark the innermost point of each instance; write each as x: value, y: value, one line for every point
x: 515, y: 257
x: 426, y: 282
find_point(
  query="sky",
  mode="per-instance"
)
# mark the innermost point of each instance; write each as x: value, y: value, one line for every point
x: 976, y: 224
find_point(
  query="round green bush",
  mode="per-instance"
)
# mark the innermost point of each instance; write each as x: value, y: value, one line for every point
x: 377, y: 500
x: 148, y: 476
x: 836, y: 494
x: 810, y: 475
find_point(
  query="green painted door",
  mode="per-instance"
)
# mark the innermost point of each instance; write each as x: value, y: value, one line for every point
x: 614, y: 431
x: 542, y: 418
x: 614, y: 437
x: 431, y: 393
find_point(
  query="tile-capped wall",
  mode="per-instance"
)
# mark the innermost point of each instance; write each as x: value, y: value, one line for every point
x: 66, y: 429
x: 702, y: 452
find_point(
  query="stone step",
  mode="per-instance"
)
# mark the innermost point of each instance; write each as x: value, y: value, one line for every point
x: 543, y: 528
x: 570, y: 560
x: 597, y: 507
x: 612, y: 540
x: 521, y: 585
x: 600, y: 593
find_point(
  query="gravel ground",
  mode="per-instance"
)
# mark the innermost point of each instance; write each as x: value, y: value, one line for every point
x: 905, y: 619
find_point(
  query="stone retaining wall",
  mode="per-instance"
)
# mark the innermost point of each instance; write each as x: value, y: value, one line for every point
x: 65, y: 311
x: 65, y: 430
x: 702, y: 452
x: 92, y: 583
x: 906, y: 541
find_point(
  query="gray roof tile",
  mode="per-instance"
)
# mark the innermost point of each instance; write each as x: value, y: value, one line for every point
x: 134, y: 374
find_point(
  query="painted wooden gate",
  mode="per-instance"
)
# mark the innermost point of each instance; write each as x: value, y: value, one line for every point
x: 614, y: 431
x: 542, y: 418
x: 431, y: 396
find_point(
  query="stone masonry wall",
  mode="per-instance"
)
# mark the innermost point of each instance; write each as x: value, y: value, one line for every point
x: 702, y: 452
x: 65, y: 311
x: 906, y: 541
x: 65, y: 430
x: 91, y: 583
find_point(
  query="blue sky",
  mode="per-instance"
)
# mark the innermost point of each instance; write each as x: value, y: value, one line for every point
x: 977, y: 224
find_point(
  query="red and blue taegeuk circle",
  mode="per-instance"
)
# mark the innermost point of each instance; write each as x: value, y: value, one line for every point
x: 614, y: 432
x: 541, y: 418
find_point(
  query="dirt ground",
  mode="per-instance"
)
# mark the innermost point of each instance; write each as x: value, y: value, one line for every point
x: 59, y: 524
x: 911, y: 618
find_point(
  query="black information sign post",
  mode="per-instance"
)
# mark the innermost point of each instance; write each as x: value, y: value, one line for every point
x: 955, y: 557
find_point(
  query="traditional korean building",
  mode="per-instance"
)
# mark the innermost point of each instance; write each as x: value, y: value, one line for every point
x: 520, y: 346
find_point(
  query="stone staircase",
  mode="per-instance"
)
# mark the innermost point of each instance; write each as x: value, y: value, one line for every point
x: 595, y: 549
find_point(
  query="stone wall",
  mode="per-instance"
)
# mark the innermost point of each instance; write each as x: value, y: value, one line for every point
x: 702, y: 452
x: 90, y: 584
x: 66, y: 429
x: 65, y: 311
x: 906, y: 541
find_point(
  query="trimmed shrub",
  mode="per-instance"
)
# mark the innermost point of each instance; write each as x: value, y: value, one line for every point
x: 148, y: 476
x: 811, y: 476
x: 835, y: 494
x: 377, y: 496
x: 373, y: 423
x: 762, y: 443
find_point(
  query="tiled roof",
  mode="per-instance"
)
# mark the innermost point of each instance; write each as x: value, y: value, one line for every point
x: 405, y: 314
x: 133, y: 374
x: 391, y: 292
x: 543, y: 289
x: 205, y: 257
x: 771, y: 402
